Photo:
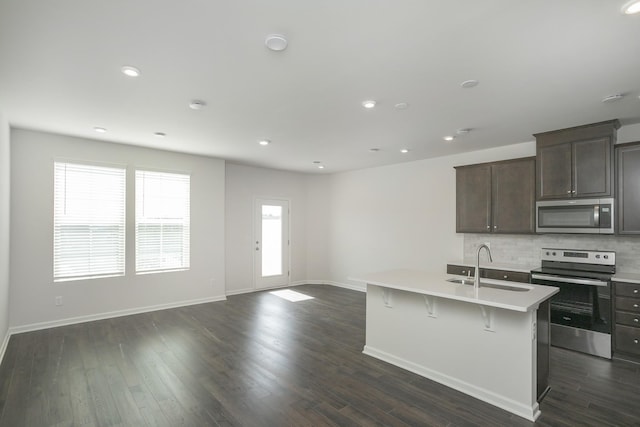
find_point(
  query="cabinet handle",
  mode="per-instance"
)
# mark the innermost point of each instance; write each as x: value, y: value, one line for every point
x: 505, y: 276
x: 636, y: 320
x: 635, y: 291
x: 464, y: 271
x: 635, y: 305
x: 495, y: 227
x: 568, y: 191
x: 488, y: 227
x: 635, y: 341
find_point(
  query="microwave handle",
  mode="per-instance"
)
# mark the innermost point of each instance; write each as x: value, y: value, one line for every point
x: 596, y: 215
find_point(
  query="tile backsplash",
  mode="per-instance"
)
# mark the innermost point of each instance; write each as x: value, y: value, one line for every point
x: 525, y: 249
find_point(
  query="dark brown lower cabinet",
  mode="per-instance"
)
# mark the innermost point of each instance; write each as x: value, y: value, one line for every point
x: 489, y: 273
x: 626, y: 336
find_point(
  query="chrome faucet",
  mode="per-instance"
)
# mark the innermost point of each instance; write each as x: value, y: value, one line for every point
x: 476, y: 278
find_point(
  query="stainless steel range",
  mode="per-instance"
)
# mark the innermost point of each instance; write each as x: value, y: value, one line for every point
x: 581, y: 312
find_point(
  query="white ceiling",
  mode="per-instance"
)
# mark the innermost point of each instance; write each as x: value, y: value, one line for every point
x: 542, y: 65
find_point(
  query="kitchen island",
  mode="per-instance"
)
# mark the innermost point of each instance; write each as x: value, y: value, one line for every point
x: 485, y: 343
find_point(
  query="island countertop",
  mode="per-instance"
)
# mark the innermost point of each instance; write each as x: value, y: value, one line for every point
x: 435, y: 284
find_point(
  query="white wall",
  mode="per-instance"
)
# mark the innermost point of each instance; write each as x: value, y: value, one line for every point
x: 400, y: 216
x: 5, y: 168
x: 243, y: 185
x: 629, y: 133
x: 33, y: 291
x: 319, y: 211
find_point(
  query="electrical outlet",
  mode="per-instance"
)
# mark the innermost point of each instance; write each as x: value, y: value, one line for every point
x: 58, y: 301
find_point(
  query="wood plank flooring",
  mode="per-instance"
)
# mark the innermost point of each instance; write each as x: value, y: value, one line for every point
x: 258, y: 360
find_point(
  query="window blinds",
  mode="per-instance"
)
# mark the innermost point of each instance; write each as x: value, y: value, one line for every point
x: 162, y: 221
x: 89, y: 221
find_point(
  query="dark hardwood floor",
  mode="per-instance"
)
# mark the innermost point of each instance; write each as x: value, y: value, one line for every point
x: 258, y: 360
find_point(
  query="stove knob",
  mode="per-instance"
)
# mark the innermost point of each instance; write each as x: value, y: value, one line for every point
x: 606, y: 257
x: 598, y: 256
x: 547, y: 253
x: 554, y: 254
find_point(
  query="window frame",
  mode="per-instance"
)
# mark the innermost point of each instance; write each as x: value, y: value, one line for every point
x: 119, y: 171
x: 185, y: 222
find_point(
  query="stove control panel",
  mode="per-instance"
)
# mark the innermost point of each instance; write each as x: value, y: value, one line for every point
x: 579, y: 256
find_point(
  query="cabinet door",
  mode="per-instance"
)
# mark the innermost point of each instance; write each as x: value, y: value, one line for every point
x: 554, y: 171
x: 473, y: 199
x: 512, y: 276
x: 628, y: 189
x: 592, y: 168
x: 513, y: 193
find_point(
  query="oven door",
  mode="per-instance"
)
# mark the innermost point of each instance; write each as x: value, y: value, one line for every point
x: 580, y: 313
x: 581, y: 303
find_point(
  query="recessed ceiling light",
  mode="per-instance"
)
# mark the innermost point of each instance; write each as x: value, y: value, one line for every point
x: 401, y: 106
x: 264, y: 142
x: 99, y: 129
x: 631, y: 7
x: 160, y: 134
x: 463, y: 131
x: 404, y: 150
x: 369, y: 104
x: 320, y: 167
x: 614, y: 97
x: 197, y: 104
x: 276, y: 42
x: 130, y: 71
x: 449, y: 138
x: 469, y: 84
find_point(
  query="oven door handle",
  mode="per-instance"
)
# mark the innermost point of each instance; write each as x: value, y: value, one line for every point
x: 569, y: 280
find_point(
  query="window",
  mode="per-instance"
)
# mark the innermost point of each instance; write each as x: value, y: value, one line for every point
x: 162, y: 221
x: 88, y: 221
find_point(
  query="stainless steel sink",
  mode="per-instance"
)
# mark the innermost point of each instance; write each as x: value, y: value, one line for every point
x: 488, y: 285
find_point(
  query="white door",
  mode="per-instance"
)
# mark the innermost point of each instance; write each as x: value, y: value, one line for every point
x: 271, y: 238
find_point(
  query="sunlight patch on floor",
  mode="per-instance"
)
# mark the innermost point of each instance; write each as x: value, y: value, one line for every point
x: 290, y: 295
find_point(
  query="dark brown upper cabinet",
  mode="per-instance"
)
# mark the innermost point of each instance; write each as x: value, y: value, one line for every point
x: 497, y: 197
x: 628, y: 182
x: 576, y: 162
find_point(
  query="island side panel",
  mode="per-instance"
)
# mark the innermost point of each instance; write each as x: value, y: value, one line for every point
x: 447, y: 341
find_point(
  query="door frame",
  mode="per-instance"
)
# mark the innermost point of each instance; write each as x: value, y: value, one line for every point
x: 286, y: 253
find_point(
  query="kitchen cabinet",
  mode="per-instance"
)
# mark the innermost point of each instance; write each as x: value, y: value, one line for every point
x: 496, y: 197
x: 627, y: 320
x: 628, y: 182
x: 461, y: 270
x: 512, y: 276
x: 489, y: 273
x: 576, y: 162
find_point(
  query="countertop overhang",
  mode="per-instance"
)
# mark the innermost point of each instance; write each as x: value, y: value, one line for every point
x: 435, y: 284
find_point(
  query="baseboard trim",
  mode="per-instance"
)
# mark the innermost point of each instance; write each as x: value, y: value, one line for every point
x: 359, y: 288
x: 109, y: 315
x: 5, y: 343
x: 240, y: 292
x: 530, y: 413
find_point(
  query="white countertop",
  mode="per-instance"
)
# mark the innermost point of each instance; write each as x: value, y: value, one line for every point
x: 626, y: 277
x: 496, y: 265
x: 435, y: 284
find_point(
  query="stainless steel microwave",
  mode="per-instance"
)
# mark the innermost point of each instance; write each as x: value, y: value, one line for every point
x: 584, y: 216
